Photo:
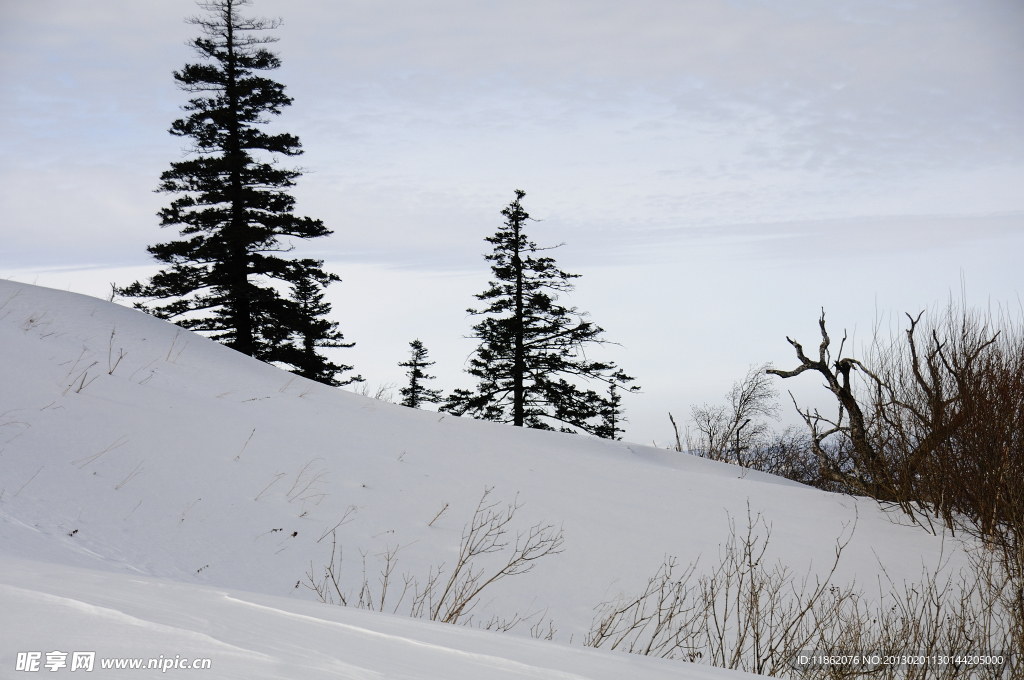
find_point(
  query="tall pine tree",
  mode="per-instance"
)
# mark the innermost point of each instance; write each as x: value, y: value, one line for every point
x: 416, y: 393
x: 232, y: 207
x: 531, y: 358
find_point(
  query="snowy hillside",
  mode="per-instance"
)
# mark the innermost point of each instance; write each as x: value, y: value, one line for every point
x: 162, y: 494
x: 248, y: 635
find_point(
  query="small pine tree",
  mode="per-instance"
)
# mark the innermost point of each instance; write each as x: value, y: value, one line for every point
x: 233, y: 208
x: 416, y: 393
x: 531, y: 351
x: 297, y: 342
x: 611, y: 412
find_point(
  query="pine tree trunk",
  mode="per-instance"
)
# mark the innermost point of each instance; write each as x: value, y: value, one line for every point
x: 414, y: 386
x: 238, y: 267
x: 519, y: 362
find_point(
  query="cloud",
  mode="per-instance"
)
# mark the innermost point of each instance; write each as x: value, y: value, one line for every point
x: 621, y: 120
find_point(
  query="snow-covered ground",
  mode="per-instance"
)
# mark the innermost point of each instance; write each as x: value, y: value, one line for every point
x: 246, y: 635
x: 172, y: 501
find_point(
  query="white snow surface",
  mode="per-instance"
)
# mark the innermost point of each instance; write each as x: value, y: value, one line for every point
x: 136, y: 517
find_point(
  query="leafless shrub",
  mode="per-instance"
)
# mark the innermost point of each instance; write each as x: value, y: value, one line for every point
x: 541, y: 631
x: 934, y: 426
x: 383, y: 392
x: 739, y: 433
x: 746, y: 614
x: 659, y: 621
x: 742, y: 615
x: 451, y: 599
x: 788, y: 453
x: 935, y: 422
x: 727, y: 432
x: 308, y: 482
x: 450, y: 596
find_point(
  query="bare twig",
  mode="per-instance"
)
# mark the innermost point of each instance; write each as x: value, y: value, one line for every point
x: 307, y: 480
x: 142, y: 368
x: 276, y: 478
x: 29, y: 481
x: 131, y: 475
x: 438, y: 515
x: 11, y: 297
x: 174, y: 341
x: 133, y: 510
x: 675, y: 428
x: 246, y: 443
x: 111, y: 364
x: 342, y: 522
x: 82, y: 462
x: 80, y: 379
x: 187, y: 508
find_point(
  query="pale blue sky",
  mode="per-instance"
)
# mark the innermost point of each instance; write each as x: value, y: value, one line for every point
x: 717, y: 170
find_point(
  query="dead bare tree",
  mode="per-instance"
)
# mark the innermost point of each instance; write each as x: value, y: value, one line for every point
x: 855, y: 463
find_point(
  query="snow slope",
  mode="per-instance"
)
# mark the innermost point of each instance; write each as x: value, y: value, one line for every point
x: 163, y: 466
x: 247, y: 635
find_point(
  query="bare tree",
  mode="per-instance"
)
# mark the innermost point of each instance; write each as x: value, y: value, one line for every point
x: 936, y: 426
x: 859, y: 466
x: 738, y: 432
x: 732, y: 432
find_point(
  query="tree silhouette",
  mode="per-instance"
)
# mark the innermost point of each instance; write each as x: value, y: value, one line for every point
x: 232, y: 209
x: 416, y: 392
x: 531, y: 354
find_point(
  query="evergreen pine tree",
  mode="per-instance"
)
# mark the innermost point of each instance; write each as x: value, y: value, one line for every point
x: 232, y: 207
x: 531, y: 353
x: 612, y: 419
x: 297, y: 343
x: 417, y: 393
